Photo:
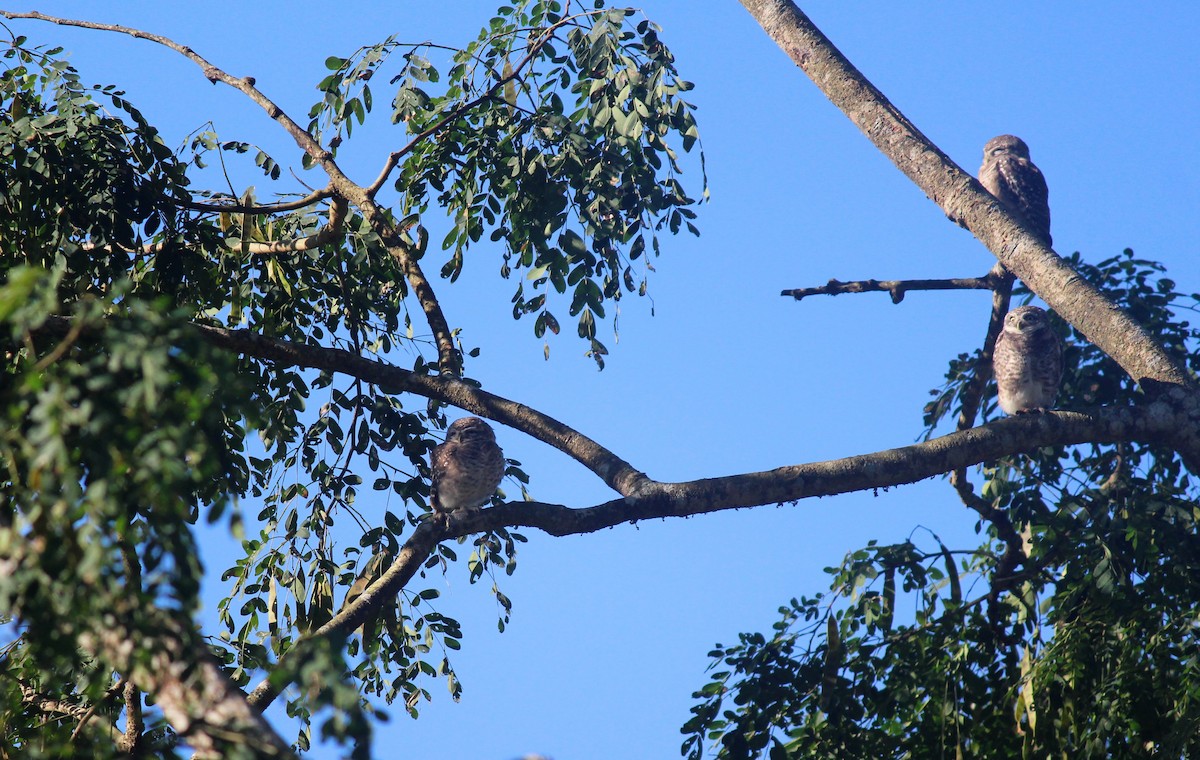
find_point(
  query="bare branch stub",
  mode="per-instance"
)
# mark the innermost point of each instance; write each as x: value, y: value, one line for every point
x: 896, y: 288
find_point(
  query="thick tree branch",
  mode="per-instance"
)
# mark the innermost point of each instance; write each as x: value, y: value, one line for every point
x: 610, y: 468
x: 1173, y: 419
x: 1153, y: 422
x: 965, y: 200
x: 1158, y: 421
x: 614, y: 471
x: 160, y: 650
x: 896, y: 288
x: 134, y: 725
x: 449, y: 360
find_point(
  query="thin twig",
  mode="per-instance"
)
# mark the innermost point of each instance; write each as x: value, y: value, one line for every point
x: 63, y: 346
x: 972, y: 395
x: 393, y: 159
x: 234, y: 205
x: 896, y: 288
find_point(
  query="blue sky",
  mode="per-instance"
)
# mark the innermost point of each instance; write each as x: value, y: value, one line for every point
x: 609, y: 631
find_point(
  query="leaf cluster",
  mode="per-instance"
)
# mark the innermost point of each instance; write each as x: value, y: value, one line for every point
x: 569, y: 165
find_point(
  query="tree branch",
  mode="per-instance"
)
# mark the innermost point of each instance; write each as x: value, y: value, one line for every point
x: 966, y: 201
x: 1173, y: 419
x: 972, y: 397
x: 449, y: 360
x: 896, y: 288
x: 234, y: 205
x: 134, y: 725
x: 1152, y: 422
x: 1157, y: 421
x: 610, y: 468
x: 160, y: 650
x: 327, y: 234
x: 85, y: 715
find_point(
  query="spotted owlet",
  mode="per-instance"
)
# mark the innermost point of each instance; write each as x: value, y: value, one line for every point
x: 1027, y: 361
x: 1008, y: 174
x: 467, y: 468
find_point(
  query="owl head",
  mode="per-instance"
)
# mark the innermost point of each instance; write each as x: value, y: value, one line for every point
x: 1005, y: 145
x: 1026, y: 320
x: 470, y: 429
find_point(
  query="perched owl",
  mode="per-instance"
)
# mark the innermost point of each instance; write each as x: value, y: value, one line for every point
x: 467, y: 468
x: 1027, y: 361
x: 1008, y: 174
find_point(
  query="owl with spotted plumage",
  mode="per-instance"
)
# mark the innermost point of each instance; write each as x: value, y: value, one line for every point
x: 467, y: 468
x: 1008, y: 174
x: 1027, y: 361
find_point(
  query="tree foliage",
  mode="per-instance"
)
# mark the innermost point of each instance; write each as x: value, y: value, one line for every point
x: 164, y: 347
x: 555, y: 133
x: 1077, y: 641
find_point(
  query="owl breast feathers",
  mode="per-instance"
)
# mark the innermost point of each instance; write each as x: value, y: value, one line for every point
x: 1008, y: 174
x: 467, y: 468
x: 1027, y: 361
